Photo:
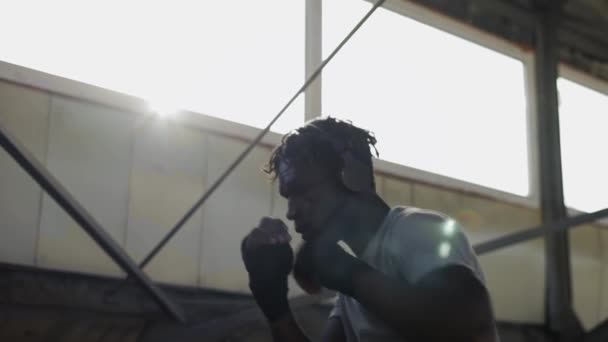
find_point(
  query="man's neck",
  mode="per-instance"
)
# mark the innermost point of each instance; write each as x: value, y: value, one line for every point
x: 365, y: 215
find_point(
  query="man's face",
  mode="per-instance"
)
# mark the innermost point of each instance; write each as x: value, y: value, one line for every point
x: 310, y: 204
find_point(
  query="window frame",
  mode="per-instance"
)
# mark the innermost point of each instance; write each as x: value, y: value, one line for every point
x: 569, y: 73
x: 313, y: 98
x: 469, y: 33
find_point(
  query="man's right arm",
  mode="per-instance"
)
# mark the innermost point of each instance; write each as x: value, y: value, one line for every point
x: 268, y: 259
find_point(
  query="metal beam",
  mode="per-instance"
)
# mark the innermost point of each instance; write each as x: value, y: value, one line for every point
x: 560, y: 316
x: 311, y: 78
x: 539, y: 231
x: 521, y: 23
x: 314, y: 58
x: 520, y: 15
x: 77, y: 212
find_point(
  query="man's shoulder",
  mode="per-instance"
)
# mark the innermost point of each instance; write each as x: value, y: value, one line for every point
x: 412, y: 220
x: 423, y: 240
x: 417, y: 230
x: 425, y: 215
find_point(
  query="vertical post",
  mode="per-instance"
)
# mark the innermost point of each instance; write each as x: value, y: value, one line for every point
x: 314, y: 57
x: 560, y: 316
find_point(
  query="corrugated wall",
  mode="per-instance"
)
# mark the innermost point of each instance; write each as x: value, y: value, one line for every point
x: 137, y: 176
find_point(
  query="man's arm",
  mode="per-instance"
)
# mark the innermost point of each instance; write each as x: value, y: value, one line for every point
x: 268, y: 259
x: 449, y: 302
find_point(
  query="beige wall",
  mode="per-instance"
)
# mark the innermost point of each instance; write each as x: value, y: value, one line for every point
x: 24, y: 113
x: 138, y: 175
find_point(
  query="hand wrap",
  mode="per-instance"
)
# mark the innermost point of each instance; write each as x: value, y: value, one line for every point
x: 268, y: 267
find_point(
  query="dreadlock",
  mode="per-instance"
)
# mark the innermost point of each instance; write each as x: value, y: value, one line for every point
x: 310, y: 144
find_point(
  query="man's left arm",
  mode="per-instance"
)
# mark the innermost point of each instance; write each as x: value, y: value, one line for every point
x: 444, y: 301
x: 449, y: 303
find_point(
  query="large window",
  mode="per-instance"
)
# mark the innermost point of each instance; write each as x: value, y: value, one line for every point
x: 435, y: 101
x: 236, y: 59
x: 583, y: 123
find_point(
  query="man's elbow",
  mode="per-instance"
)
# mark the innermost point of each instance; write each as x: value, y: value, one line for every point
x: 460, y: 302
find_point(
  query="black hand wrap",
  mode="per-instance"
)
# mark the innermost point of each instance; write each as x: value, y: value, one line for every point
x: 268, y: 267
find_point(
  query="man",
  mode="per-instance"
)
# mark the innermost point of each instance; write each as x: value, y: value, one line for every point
x: 410, y: 275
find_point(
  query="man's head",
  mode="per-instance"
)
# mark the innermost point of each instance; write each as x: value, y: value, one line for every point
x: 320, y: 165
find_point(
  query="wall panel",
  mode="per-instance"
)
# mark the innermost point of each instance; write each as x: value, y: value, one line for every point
x: 24, y: 113
x: 585, y: 259
x: 603, y: 295
x: 232, y: 212
x: 428, y: 197
x: 89, y: 153
x: 397, y: 192
x: 515, y: 275
x: 167, y: 178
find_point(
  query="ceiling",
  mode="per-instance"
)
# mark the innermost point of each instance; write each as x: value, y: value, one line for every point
x: 582, y: 32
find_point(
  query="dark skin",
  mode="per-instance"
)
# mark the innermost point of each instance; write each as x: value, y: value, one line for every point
x: 429, y: 310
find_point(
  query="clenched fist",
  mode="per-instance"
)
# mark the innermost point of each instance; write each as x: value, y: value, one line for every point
x: 268, y: 258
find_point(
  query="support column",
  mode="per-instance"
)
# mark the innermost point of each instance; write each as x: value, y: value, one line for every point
x: 560, y: 316
x: 314, y: 57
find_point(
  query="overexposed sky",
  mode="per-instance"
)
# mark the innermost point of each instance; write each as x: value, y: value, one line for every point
x: 435, y: 101
x: 583, y: 123
x: 236, y: 59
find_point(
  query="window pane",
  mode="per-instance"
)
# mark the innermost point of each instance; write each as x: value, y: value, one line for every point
x: 435, y: 101
x: 240, y: 59
x: 583, y: 121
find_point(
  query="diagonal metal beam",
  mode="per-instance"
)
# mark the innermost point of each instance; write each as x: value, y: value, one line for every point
x: 65, y: 200
x: 538, y: 232
x: 313, y: 76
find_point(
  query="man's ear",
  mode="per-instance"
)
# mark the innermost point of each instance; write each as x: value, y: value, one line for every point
x: 356, y: 176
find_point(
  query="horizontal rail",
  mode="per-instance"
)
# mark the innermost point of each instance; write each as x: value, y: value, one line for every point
x: 539, y: 231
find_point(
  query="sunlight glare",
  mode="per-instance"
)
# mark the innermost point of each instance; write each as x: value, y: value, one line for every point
x: 449, y: 228
x: 444, y: 249
x: 163, y: 109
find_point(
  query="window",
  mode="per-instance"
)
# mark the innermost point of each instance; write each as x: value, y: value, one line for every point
x: 583, y: 121
x: 240, y: 60
x: 435, y: 101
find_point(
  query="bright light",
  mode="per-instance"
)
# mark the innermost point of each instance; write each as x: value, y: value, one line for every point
x: 583, y: 122
x: 449, y: 228
x: 346, y: 248
x: 207, y: 57
x: 163, y: 109
x: 444, y: 249
x: 413, y: 75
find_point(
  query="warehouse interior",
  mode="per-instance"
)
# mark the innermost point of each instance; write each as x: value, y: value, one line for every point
x: 134, y: 134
